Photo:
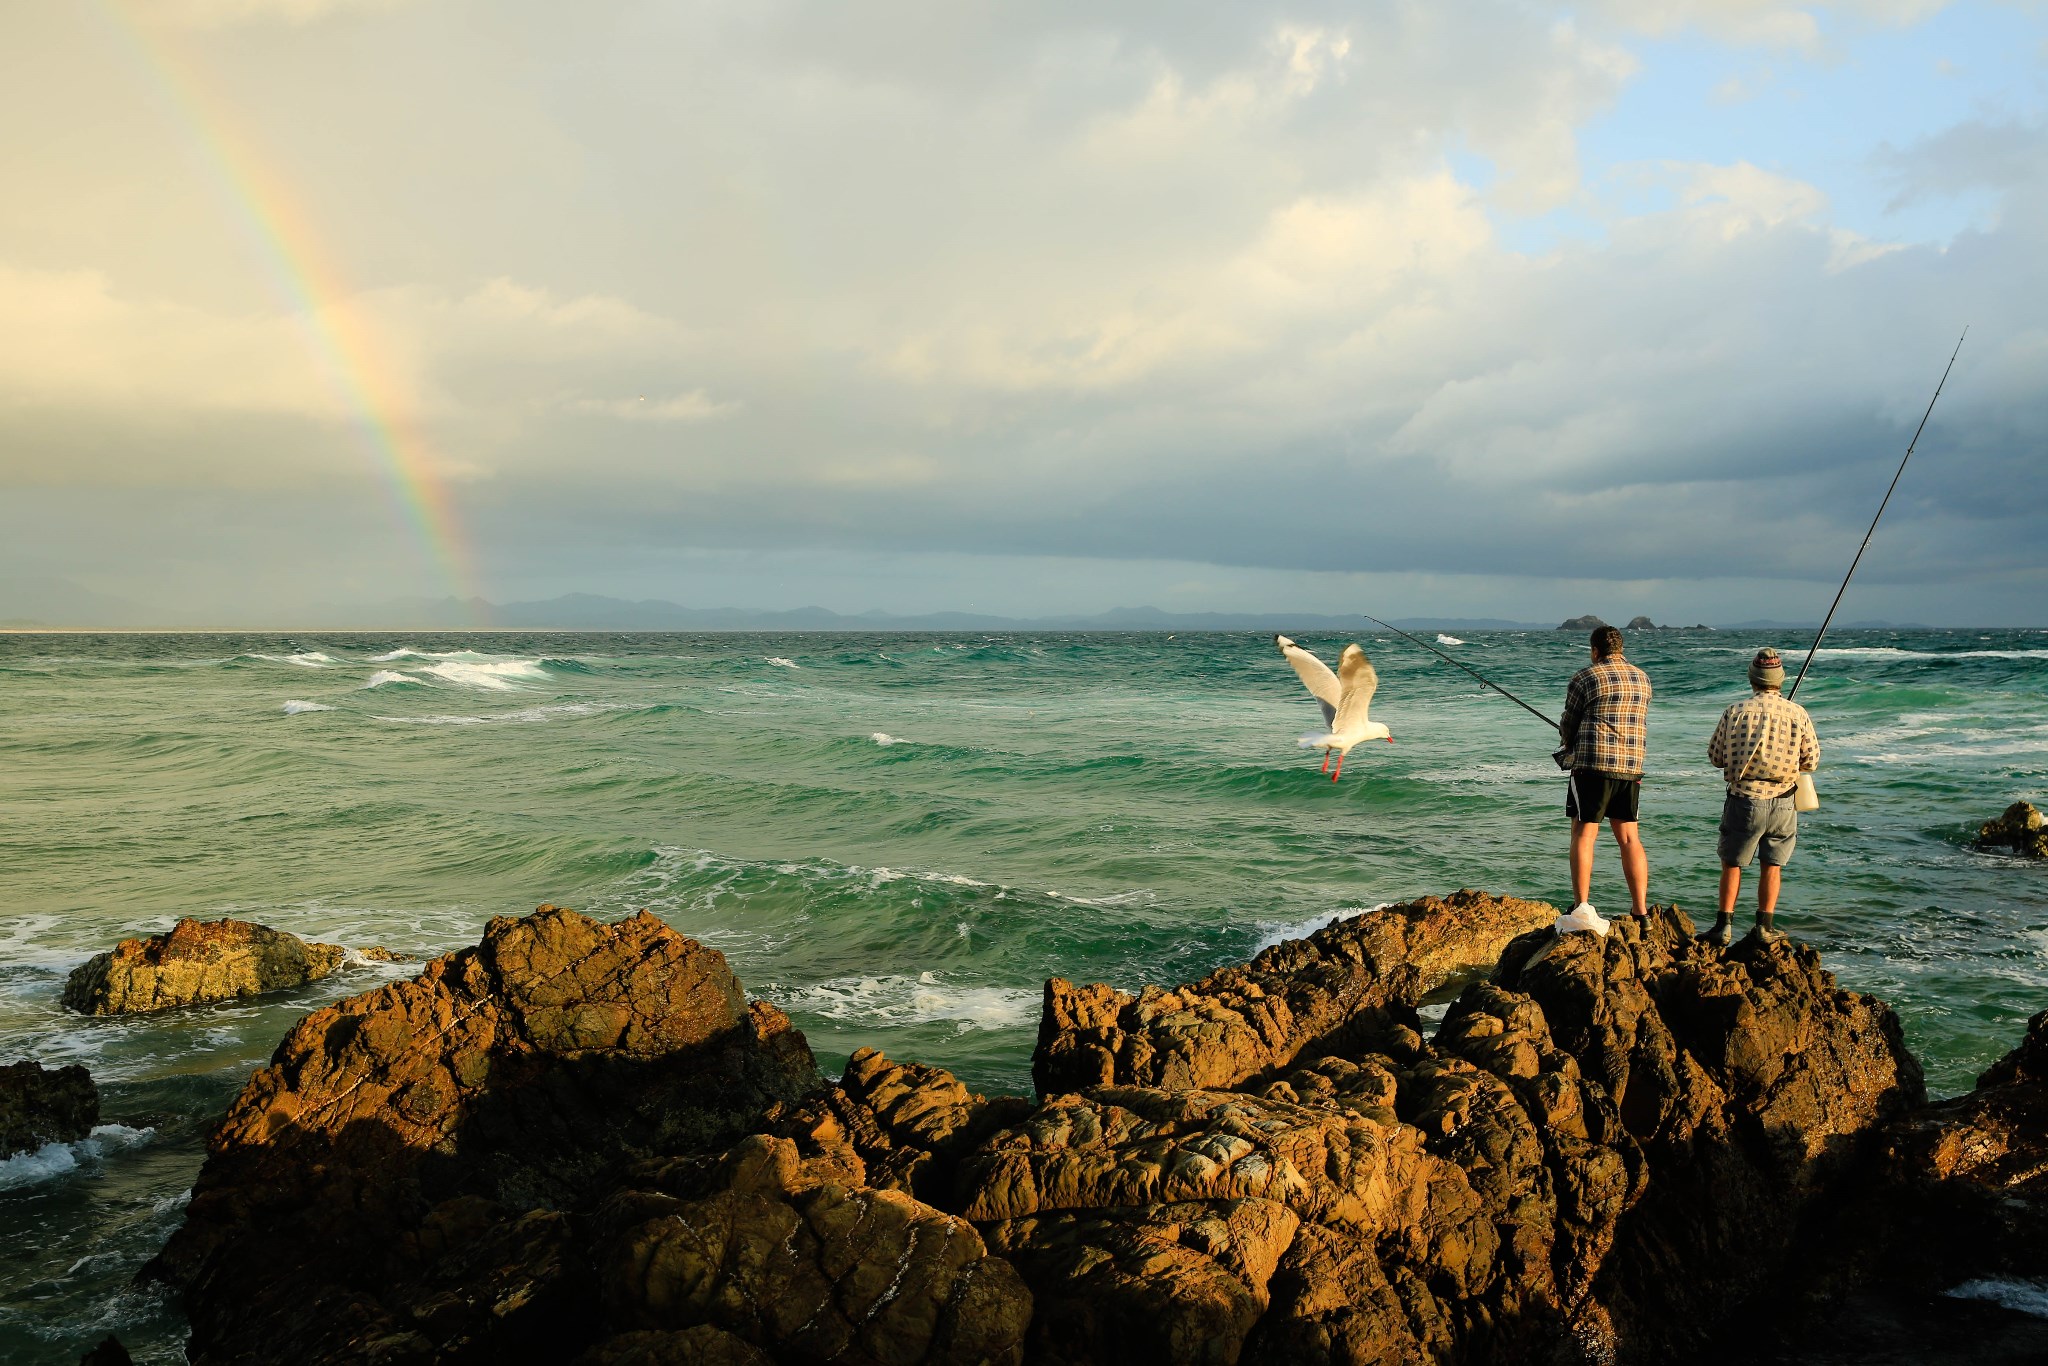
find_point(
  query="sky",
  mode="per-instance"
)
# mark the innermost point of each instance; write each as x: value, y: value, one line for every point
x: 1501, y: 308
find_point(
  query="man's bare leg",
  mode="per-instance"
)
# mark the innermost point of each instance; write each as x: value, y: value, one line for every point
x: 1766, y: 891
x: 1635, y: 865
x: 1585, y: 837
x: 1731, y: 887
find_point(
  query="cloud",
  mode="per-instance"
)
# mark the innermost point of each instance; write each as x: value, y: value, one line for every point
x: 695, y: 406
x: 204, y: 14
x: 1757, y: 23
x: 1213, y: 285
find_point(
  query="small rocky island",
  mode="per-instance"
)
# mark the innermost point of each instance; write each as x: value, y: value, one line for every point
x: 2020, y: 830
x: 1593, y: 623
x: 579, y: 1142
x: 199, y: 962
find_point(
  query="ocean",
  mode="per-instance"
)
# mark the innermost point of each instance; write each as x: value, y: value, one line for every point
x: 896, y: 838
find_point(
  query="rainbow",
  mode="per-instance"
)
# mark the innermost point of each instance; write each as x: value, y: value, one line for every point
x: 341, y: 341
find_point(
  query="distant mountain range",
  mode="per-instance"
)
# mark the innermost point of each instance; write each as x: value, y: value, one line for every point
x: 58, y: 604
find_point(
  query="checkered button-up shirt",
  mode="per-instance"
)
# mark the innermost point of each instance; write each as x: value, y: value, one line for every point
x: 1607, y: 717
x: 1763, y: 744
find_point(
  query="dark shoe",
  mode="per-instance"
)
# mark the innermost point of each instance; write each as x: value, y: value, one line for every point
x: 1721, y: 935
x: 1767, y: 935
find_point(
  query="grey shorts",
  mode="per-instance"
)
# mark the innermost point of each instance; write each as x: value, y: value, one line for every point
x: 1757, y: 825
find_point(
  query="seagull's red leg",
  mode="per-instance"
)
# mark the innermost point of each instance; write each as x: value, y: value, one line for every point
x: 1340, y: 767
x: 1326, y: 761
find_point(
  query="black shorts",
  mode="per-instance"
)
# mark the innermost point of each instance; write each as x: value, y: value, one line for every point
x: 1595, y: 797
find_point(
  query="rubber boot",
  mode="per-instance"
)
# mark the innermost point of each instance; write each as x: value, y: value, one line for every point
x: 1723, y: 933
x: 1764, y: 932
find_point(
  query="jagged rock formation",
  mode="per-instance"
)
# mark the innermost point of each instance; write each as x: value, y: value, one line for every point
x: 201, y: 961
x: 580, y: 1143
x: 41, y: 1105
x: 407, y: 1179
x: 1304, y: 997
x: 2021, y: 829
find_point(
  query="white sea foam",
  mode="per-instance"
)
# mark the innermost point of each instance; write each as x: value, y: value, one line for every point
x: 56, y: 1159
x: 899, y: 998
x: 400, y: 653
x: 383, y: 676
x: 498, y: 675
x: 1273, y: 932
x: 295, y: 708
x: 525, y: 715
x: 1448, y: 640
x: 2028, y: 1297
x: 884, y: 738
x: 782, y: 663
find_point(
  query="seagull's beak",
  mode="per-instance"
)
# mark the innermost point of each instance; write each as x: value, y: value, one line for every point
x: 1390, y: 739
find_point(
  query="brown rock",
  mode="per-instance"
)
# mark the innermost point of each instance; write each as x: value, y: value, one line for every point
x: 38, y: 1105
x: 1750, y: 1080
x: 703, y: 1345
x: 814, y: 1271
x: 197, y: 962
x: 405, y: 1179
x: 1324, y: 994
x: 2021, y: 829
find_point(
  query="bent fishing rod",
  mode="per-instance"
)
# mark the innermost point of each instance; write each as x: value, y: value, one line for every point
x: 1814, y: 648
x: 1470, y: 670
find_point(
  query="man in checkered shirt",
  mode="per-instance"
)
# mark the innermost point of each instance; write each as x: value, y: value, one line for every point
x: 1605, y: 725
x: 1762, y: 746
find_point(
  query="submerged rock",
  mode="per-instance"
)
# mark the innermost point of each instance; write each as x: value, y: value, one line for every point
x: 202, y: 961
x: 579, y: 1142
x: 2021, y: 829
x: 41, y: 1105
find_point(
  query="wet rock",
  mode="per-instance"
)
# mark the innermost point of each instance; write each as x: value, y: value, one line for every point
x: 196, y: 962
x: 41, y: 1105
x: 1349, y: 983
x: 406, y: 1180
x: 2021, y: 830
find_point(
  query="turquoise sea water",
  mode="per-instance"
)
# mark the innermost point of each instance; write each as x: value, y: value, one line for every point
x: 895, y: 838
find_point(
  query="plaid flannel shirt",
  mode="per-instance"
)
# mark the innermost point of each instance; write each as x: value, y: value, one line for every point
x: 1762, y: 745
x: 1607, y: 717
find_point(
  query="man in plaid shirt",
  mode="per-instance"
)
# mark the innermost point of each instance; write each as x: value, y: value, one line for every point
x: 1605, y: 724
x: 1761, y: 746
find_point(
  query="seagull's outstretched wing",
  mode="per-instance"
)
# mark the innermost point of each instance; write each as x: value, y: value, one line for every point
x: 1357, y: 681
x: 1316, y: 675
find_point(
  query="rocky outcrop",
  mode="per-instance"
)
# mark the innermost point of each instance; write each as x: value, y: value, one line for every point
x: 579, y: 1142
x: 1588, y: 622
x: 196, y: 962
x: 41, y: 1105
x: 1946, y: 1226
x: 1348, y: 982
x: 109, y: 1352
x: 2021, y: 830
x: 409, y: 1178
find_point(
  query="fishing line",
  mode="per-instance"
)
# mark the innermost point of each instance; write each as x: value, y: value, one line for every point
x: 1814, y: 648
x: 1468, y: 669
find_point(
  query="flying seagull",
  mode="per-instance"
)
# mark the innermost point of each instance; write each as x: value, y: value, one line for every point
x: 1344, y: 697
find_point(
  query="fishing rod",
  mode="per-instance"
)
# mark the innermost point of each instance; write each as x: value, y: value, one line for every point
x: 1470, y: 670
x: 1814, y: 648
